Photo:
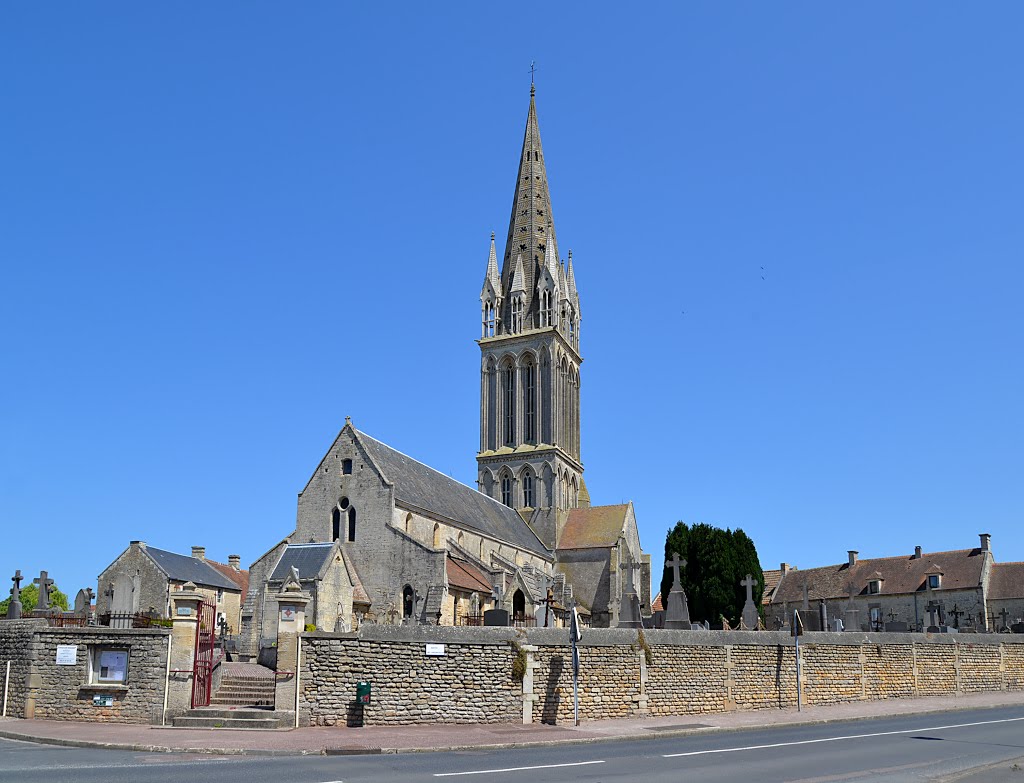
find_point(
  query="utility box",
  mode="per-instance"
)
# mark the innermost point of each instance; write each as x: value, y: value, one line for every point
x: 363, y: 692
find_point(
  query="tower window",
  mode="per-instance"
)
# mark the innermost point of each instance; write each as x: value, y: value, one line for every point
x: 528, y: 490
x: 529, y: 404
x: 506, y: 490
x: 351, y: 524
x: 509, y: 387
x: 517, y: 315
x: 346, y: 467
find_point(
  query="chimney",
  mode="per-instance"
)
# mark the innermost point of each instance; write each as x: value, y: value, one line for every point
x: 917, y: 553
x: 784, y: 568
x: 140, y: 544
x: 199, y: 552
x: 235, y: 561
x: 853, y: 556
x: 986, y: 542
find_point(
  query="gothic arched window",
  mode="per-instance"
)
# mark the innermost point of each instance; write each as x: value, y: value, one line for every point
x: 529, y: 402
x: 517, y: 315
x: 508, y: 386
x: 408, y: 600
x: 352, y: 524
x: 506, y: 490
x: 336, y: 524
x: 528, y: 489
x: 489, y: 319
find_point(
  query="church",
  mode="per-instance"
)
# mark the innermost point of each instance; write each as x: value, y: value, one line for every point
x: 380, y: 537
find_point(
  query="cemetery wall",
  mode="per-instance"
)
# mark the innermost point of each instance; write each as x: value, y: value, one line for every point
x: 16, y: 646
x: 42, y: 688
x: 680, y: 672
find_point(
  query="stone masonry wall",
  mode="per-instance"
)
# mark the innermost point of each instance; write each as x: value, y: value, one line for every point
x: 65, y: 693
x: 16, y: 640
x: 689, y: 672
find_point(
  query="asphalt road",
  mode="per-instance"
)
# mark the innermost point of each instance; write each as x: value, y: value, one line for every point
x: 892, y: 750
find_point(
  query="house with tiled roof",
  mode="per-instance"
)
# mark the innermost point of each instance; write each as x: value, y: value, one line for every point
x: 904, y: 592
x: 1005, y: 595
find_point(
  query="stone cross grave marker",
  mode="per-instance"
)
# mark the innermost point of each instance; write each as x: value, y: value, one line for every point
x: 932, y: 608
x: 1004, y: 616
x: 629, y: 605
x: 14, y: 607
x: 677, y: 612
x: 45, y: 583
x: 750, y: 616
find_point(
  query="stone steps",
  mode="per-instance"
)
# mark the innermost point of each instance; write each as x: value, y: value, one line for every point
x: 245, y: 686
x: 220, y: 718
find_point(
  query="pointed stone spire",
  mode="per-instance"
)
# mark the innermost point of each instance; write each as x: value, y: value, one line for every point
x: 518, y: 277
x: 563, y: 282
x: 571, y: 282
x: 531, y: 230
x: 492, y: 275
x: 552, y: 265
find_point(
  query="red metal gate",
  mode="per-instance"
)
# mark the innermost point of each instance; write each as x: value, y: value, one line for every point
x: 202, y: 667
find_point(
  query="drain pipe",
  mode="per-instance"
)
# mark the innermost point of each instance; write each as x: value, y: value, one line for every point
x: 167, y: 680
x: 298, y: 675
x: 7, y: 678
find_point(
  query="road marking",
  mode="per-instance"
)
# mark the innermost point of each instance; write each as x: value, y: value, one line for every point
x: 837, y: 739
x: 514, y: 769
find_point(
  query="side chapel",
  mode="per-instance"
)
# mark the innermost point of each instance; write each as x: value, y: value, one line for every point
x: 381, y: 537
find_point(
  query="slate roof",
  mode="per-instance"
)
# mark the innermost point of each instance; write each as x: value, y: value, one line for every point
x: 594, y: 527
x: 1005, y: 581
x: 425, y: 489
x: 182, y: 568
x: 466, y: 577
x: 307, y: 558
x: 961, y: 568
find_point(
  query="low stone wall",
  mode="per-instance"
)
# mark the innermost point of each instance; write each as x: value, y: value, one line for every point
x: 43, y: 689
x: 16, y: 646
x: 688, y: 672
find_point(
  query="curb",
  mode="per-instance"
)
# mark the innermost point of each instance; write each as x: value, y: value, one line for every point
x: 383, y: 750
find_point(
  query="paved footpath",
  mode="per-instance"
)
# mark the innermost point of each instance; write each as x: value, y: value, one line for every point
x: 405, y: 739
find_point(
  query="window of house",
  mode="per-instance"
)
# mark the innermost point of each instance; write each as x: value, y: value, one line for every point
x: 874, y: 586
x: 220, y: 595
x: 933, y: 581
x: 346, y: 467
x: 108, y: 665
x: 877, y: 624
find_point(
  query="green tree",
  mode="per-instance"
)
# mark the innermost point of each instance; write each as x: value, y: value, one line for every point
x: 716, y: 562
x: 30, y: 597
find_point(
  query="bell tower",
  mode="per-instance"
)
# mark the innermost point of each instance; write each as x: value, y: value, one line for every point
x: 529, y: 456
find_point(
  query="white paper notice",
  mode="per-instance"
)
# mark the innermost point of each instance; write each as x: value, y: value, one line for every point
x: 67, y: 654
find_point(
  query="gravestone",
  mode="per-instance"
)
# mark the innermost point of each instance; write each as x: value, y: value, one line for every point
x: 14, y: 607
x: 496, y: 617
x: 45, y: 583
x: 1004, y: 616
x: 1017, y: 627
x: 677, y: 612
x: 823, y: 614
x: 83, y: 601
x: 896, y: 626
x: 750, y: 617
x: 933, y: 609
x: 629, y: 606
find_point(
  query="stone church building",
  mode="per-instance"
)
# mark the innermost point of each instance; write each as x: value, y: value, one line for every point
x: 381, y: 537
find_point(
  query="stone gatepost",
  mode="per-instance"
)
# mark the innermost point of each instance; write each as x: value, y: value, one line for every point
x: 291, y: 621
x: 529, y: 697
x: 184, y: 626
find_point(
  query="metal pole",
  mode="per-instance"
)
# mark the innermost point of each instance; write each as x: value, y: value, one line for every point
x: 7, y: 677
x: 796, y: 639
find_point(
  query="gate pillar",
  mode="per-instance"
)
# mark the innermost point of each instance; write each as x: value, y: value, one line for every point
x: 291, y: 621
x: 185, y: 623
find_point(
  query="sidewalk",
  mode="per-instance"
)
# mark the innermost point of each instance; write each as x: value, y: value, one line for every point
x: 405, y: 739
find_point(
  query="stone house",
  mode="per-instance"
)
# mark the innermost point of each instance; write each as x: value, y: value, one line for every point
x: 892, y: 593
x: 1005, y: 595
x: 142, y: 578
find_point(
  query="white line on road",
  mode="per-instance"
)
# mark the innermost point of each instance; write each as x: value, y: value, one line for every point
x: 837, y: 739
x: 513, y: 769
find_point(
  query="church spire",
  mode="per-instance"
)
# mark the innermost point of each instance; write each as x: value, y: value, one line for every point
x: 531, y: 231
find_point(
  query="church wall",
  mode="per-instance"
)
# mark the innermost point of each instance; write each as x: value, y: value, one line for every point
x: 333, y: 598
x: 688, y: 672
x: 253, y: 611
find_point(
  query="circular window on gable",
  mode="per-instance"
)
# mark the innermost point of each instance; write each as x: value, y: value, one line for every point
x: 343, y: 503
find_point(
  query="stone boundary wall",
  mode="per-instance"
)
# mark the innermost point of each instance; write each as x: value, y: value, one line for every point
x: 45, y: 690
x: 16, y: 646
x: 689, y: 673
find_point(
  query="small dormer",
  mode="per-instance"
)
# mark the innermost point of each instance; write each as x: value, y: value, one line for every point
x: 933, y: 577
x: 875, y: 582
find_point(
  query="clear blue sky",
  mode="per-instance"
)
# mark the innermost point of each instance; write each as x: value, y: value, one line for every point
x: 797, y: 231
